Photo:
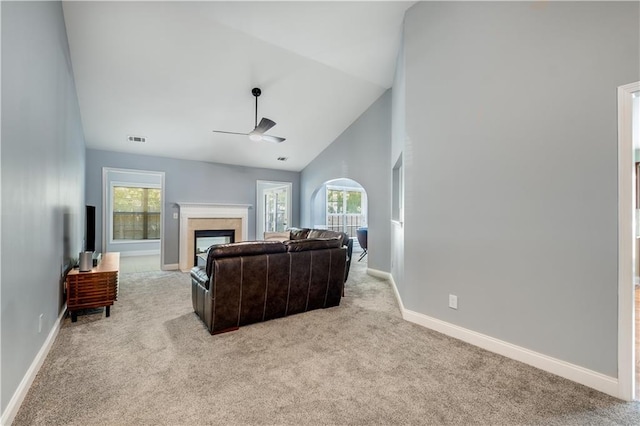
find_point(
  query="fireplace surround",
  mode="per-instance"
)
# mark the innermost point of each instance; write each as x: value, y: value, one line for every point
x: 207, y: 216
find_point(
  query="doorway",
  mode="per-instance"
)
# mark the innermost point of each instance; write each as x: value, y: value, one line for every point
x: 628, y: 114
x: 340, y: 205
x: 273, y: 212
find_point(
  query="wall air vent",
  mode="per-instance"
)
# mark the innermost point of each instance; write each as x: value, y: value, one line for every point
x: 140, y: 139
x: 282, y: 158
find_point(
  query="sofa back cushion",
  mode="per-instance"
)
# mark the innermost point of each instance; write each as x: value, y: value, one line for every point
x: 299, y: 233
x: 245, y: 248
x: 325, y: 233
x: 312, y: 244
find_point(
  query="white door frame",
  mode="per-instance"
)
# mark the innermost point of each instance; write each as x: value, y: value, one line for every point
x: 261, y: 186
x: 626, y: 195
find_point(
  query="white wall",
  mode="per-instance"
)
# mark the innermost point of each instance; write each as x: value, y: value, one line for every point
x: 42, y: 167
x: 511, y: 170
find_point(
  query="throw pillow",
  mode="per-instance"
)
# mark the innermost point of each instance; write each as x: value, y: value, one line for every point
x: 276, y: 236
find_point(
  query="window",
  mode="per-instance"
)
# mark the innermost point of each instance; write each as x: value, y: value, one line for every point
x: 274, y: 207
x: 136, y: 213
x: 346, y: 209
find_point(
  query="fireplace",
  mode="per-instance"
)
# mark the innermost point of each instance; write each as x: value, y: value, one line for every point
x: 203, y: 216
x: 205, y: 238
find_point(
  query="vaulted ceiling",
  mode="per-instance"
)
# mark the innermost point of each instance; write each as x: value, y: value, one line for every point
x: 174, y: 71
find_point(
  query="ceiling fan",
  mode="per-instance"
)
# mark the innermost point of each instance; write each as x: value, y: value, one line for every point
x: 258, y: 133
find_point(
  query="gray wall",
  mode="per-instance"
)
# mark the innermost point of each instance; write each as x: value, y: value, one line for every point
x: 188, y: 181
x: 360, y: 153
x: 511, y: 170
x: 42, y: 167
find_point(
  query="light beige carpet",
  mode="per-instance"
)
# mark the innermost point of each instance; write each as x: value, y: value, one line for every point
x: 153, y: 362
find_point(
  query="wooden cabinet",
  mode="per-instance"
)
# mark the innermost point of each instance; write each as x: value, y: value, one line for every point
x: 95, y: 288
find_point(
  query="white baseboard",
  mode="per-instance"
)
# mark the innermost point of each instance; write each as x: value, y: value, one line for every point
x: 387, y: 276
x: 21, y: 392
x: 379, y: 274
x: 584, y: 376
x: 170, y: 267
x: 590, y: 378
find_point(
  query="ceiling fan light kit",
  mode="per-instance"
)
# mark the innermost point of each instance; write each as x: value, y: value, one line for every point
x: 258, y: 132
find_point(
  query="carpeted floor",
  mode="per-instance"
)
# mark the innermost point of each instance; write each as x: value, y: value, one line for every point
x: 153, y: 362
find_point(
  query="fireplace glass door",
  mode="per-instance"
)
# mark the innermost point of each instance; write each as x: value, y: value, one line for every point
x: 204, y: 239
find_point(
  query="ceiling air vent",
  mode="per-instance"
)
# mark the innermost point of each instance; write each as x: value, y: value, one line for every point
x: 282, y: 158
x: 140, y: 139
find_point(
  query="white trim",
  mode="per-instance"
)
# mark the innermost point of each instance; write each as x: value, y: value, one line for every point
x: 590, y: 378
x: 626, y: 191
x: 170, y: 267
x: 21, y: 392
x: 2, y: 414
x: 379, y: 274
x: 208, y: 211
x: 386, y: 275
x: 135, y: 253
x: 153, y: 241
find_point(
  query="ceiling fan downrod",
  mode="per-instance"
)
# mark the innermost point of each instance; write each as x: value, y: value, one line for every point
x: 256, y: 92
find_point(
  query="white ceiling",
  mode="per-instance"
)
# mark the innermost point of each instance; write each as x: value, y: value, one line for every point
x: 174, y: 71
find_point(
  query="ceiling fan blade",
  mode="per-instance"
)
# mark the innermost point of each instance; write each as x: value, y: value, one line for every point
x: 274, y: 139
x: 264, y: 125
x: 230, y: 133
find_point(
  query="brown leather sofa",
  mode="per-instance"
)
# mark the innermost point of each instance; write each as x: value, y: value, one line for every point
x: 305, y: 233
x: 249, y: 282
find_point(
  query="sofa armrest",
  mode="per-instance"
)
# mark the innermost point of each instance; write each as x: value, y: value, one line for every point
x: 349, y: 255
x: 199, y: 276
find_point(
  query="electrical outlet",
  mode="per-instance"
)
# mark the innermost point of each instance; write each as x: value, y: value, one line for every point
x: 40, y: 323
x: 453, y: 301
x: 175, y: 215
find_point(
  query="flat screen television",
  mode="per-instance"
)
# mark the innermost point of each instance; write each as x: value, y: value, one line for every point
x: 90, y: 229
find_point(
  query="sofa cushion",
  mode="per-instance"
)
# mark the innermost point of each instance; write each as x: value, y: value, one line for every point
x: 245, y: 248
x: 299, y: 233
x: 312, y: 244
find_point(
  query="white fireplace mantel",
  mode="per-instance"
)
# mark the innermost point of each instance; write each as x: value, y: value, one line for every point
x: 208, y: 211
